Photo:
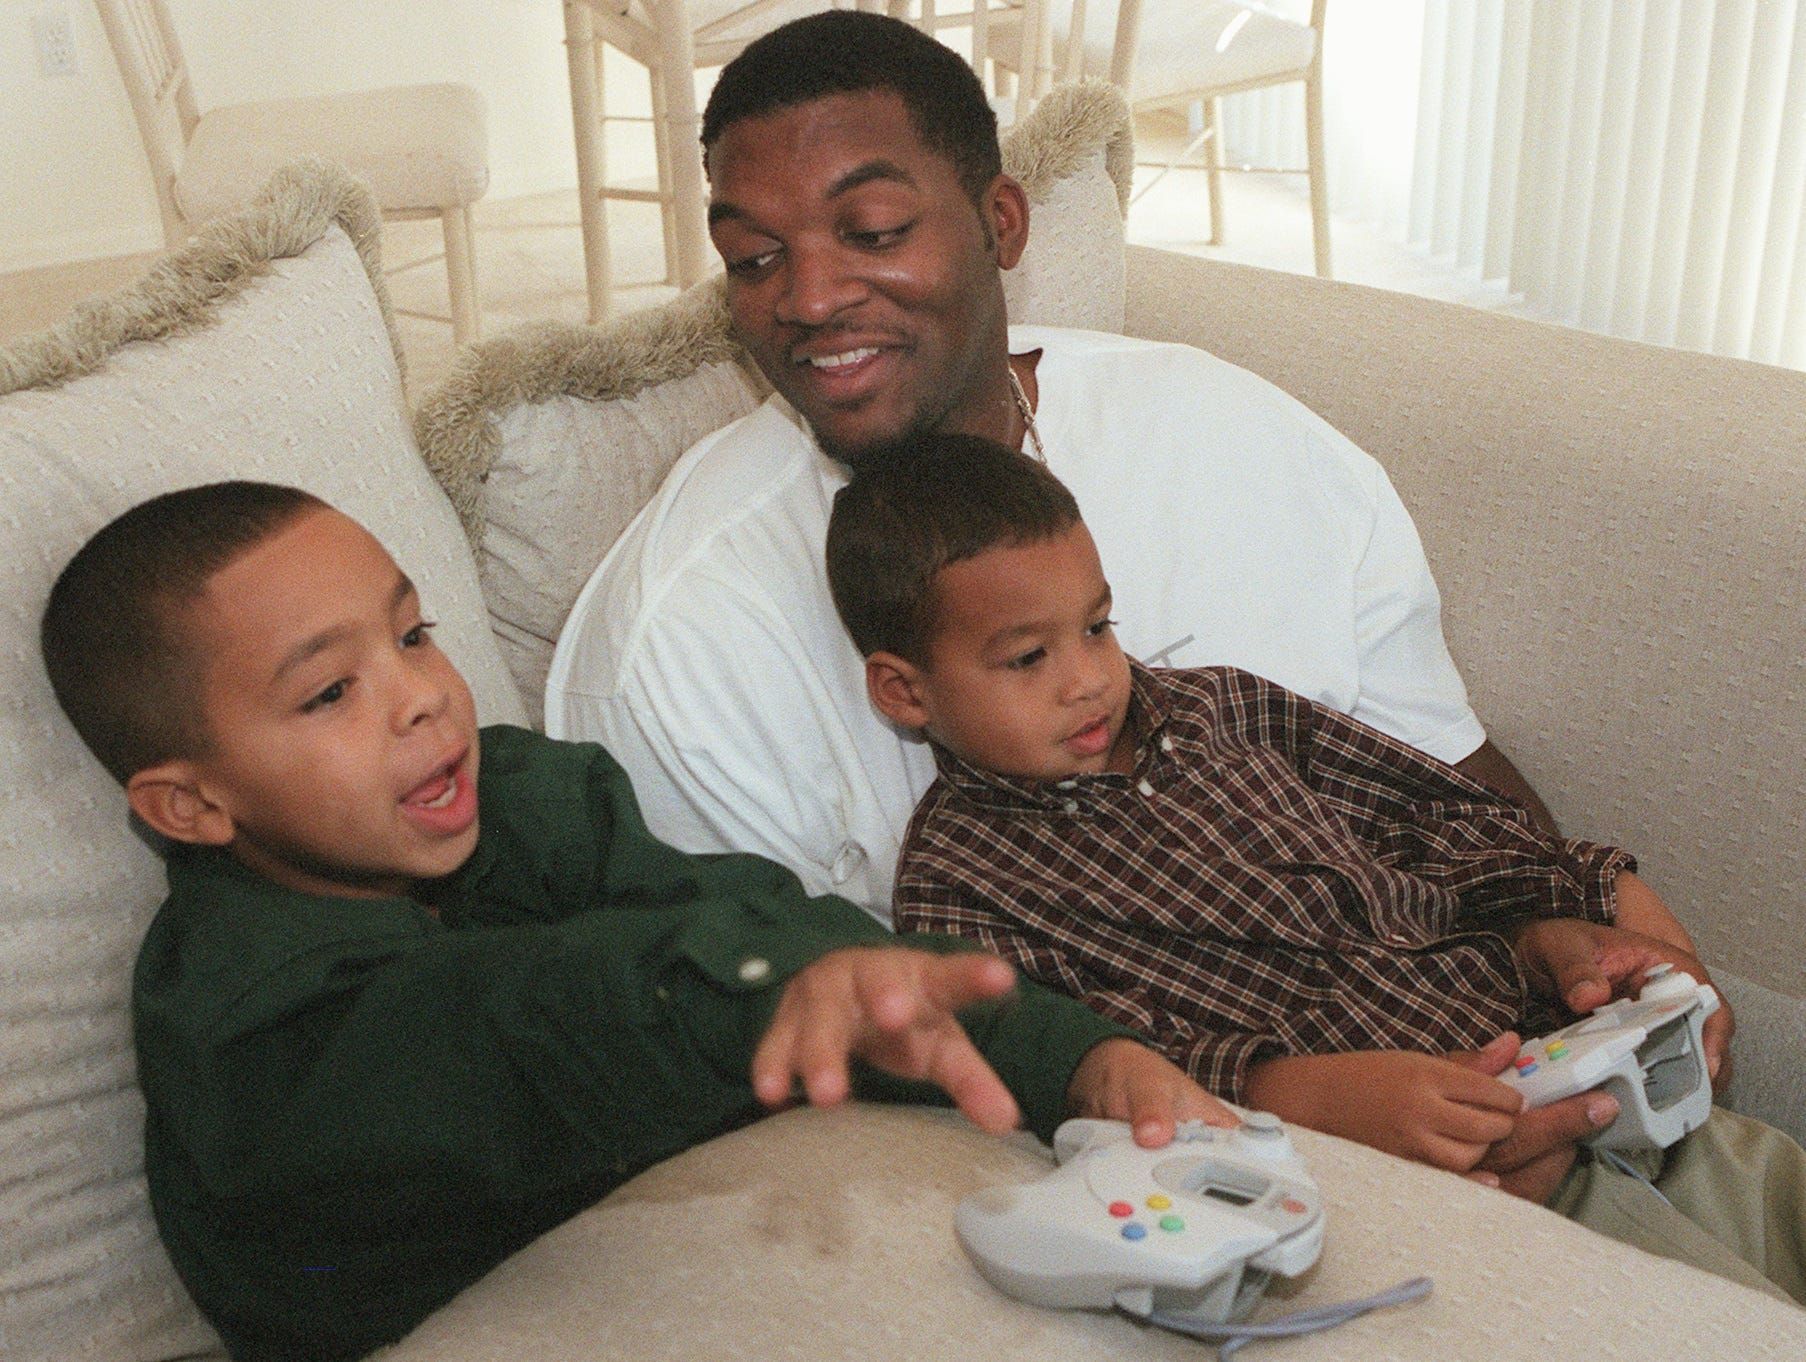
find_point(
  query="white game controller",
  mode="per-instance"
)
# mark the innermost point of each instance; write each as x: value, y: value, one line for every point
x: 1645, y: 1051
x: 1192, y: 1230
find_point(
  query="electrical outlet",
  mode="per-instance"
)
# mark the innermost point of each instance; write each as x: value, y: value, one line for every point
x: 55, y: 39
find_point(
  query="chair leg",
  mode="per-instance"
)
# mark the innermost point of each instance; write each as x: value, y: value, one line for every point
x: 661, y: 147
x: 1213, y: 166
x: 581, y: 53
x: 1319, y: 172
x: 689, y: 194
x: 461, y: 273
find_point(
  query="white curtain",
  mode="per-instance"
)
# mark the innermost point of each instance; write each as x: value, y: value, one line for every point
x: 1630, y: 166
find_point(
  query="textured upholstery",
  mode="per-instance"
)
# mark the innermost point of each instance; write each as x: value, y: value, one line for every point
x: 416, y: 146
x: 290, y: 379
x: 1618, y: 532
x: 827, y: 1235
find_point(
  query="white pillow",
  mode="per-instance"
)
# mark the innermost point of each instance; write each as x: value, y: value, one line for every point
x: 551, y: 437
x: 216, y: 366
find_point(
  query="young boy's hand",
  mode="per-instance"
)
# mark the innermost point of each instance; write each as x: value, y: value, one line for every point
x: 892, y: 1007
x: 1123, y: 1080
x: 1586, y: 964
x: 1446, y: 1112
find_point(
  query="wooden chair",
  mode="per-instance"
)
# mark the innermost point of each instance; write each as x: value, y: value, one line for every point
x: 422, y: 149
x: 1171, y: 54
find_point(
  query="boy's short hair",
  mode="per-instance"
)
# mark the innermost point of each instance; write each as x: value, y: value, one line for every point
x: 850, y: 52
x: 120, y: 662
x: 940, y: 499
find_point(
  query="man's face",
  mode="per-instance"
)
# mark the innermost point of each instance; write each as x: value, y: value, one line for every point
x: 342, y: 741
x: 1025, y: 676
x: 861, y: 277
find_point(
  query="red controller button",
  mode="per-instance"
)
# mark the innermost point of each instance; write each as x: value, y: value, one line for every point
x: 1525, y: 1061
x: 1121, y: 1209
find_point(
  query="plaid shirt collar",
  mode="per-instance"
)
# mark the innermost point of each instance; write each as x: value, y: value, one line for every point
x: 1148, y: 710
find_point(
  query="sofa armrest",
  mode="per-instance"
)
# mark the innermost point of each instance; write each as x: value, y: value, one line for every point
x: 1619, y: 533
x: 829, y: 1234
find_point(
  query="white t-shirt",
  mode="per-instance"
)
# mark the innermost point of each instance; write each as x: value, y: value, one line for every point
x: 1235, y: 526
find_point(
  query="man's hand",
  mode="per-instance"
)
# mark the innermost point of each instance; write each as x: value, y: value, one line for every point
x: 1123, y: 1080
x: 1531, y: 1161
x: 1586, y: 965
x: 1445, y: 1112
x: 892, y: 1007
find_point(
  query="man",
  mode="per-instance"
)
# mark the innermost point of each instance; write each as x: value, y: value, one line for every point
x: 859, y: 205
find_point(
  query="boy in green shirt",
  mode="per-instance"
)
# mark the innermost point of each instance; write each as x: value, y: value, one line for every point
x: 391, y: 1024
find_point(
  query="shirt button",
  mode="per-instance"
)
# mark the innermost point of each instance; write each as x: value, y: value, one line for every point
x: 1066, y: 785
x: 753, y: 969
x: 1166, y: 743
x: 1146, y: 788
x: 1072, y: 806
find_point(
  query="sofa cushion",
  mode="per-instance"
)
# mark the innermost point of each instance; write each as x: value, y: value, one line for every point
x: 263, y: 350
x: 551, y: 437
x: 829, y: 1234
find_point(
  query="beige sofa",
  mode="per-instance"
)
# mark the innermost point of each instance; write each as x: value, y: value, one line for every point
x: 1618, y: 535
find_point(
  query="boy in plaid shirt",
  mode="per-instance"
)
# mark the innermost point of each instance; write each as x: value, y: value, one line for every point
x: 1307, y: 915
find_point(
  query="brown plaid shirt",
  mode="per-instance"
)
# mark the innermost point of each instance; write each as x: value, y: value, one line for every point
x: 1272, y: 878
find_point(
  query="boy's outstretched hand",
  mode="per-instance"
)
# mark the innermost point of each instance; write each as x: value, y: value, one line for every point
x: 893, y: 1007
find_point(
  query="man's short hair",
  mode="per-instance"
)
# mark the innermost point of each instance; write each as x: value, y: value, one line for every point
x: 942, y: 499
x: 850, y: 52
x: 120, y: 660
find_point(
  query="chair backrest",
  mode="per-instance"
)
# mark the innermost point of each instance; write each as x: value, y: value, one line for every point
x: 156, y: 78
x: 1047, y: 59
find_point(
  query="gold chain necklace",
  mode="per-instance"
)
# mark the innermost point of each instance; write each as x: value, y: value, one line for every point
x: 1028, y: 412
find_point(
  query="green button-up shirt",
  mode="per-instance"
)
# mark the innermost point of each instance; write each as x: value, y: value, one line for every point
x: 356, y: 1107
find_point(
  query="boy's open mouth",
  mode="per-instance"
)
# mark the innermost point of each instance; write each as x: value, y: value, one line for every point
x: 445, y: 801
x: 1093, y: 738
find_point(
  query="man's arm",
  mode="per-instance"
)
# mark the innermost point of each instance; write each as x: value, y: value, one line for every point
x: 732, y: 718
x: 1488, y: 765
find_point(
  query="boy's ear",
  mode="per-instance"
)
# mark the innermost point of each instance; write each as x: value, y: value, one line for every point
x: 894, y: 683
x: 171, y: 799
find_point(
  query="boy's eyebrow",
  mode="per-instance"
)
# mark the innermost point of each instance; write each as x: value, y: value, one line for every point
x: 320, y: 642
x: 1003, y: 636
x: 878, y: 168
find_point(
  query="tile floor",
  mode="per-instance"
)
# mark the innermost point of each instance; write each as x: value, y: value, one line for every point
x: 530, y: 259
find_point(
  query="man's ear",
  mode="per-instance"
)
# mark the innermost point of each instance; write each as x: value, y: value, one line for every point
x: 171, y: 798
x: 894, y: 683
x: 1006, y: 214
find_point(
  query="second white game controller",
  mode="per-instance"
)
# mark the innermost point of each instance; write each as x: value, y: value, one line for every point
x: 1191, y: 1231
x: 1645, y: 1051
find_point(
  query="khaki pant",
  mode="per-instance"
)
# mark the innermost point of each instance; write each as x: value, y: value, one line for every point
x: 1738, y: 1189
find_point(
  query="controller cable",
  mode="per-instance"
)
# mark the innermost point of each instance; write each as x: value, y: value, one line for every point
x: 1611, y: 1158
x: 1230, y: 1338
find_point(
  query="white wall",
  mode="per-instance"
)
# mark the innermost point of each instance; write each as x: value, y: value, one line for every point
x: 74, y: 183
